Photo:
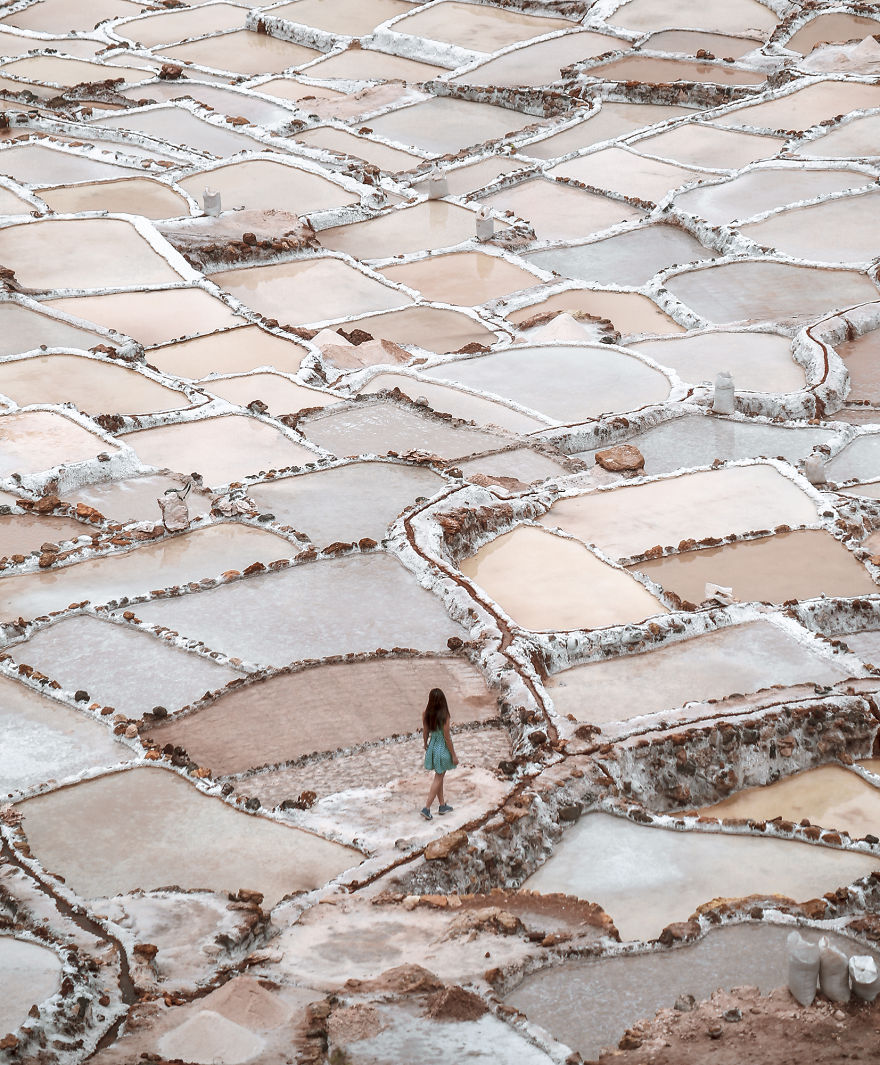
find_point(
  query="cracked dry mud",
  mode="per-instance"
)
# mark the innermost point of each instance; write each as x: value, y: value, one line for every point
x: 524, y: 348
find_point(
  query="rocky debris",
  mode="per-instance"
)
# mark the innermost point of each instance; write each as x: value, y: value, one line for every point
x: 239, y: 236
x: 455, y: 1004
x: 623, y: 458
x: 440, y: 849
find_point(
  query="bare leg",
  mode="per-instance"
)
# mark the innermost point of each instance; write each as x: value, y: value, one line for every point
x: 440, y: 798
x: 436, y: 790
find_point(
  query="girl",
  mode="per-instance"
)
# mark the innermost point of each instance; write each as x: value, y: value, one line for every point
x: 439, y: 751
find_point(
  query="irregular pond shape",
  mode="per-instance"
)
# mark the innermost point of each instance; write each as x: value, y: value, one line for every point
x: 631, y: 312
x: 443, y: 124
x: 205, y: 552
x: 353, y: 18
x: 540, y: 63
x: 225, y: 101
x: 475, y: 27
x: 370, y: 64
x: 30, y: 974
x: 860, y: 459
x: 428, y: 225
x: 262, y: 184
x: 768, y: 291
x: 283, y: 395
x: 796, y: 565
x: 39, y: 440
x: 721, y: 149
x: 864, y: 644
x: 468, y: 278
x: 383, y: 426
x: 741, y: 658
x: 124, y: 195
x: 323, y: 708
x: 345, y: 143
x: 805, y: 107
x: 435, y: 328
x: 828, y: 795
x: 663, y: 71
x: 134, y: 498
x: 346, y: 503
x: 646, y: 877
x: 461, y: 180
x: 147, y: 828
x: 559, y: 212
x: 520, y: 462
x: 220, y: 449
x: 612, y: 120
x: 92, y: 385
x: 619, y: 170
x: 856, y: 139
x: 837, y: 231
x: 120, y: 666
x: 242, y: 52
x: 251, y: 619
x: 630, y: 259
x: 22, y: 533
x: 862, y: 358
x: 86, y: 253
x: 719, y: 16
x: 38, y: 164
x: 631, y: 519
x: 58, y: 70
x: 179, y: 126
x: 316, y: 289
x: 547, y: 583
x: 836, y: 26
x: 47, y: 16
x: 171, y: 26
x: 230, y: 351
x: 759, y: 362
x: 42, y: 740
x: 689, y: 42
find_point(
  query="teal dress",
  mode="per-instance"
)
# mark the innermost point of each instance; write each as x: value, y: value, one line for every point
x: 437, y: 756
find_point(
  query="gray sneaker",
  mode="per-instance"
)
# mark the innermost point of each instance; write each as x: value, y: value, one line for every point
x: 426, y: 813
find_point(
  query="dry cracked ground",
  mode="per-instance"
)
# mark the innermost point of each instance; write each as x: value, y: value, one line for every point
x: 351, y: 348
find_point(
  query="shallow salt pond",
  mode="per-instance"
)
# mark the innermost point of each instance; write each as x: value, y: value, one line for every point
x: 242, y: 52
x: 262, y: 185
x: 428, y: 225
x: 170, y: 26
x: 377, y: 428
x: 540, y: 63
x: 29, y: 974
x: 763, y: 190
x: 838, y: 26
x: 588, y: 1004
x: 612, y: 120
x: 179, y: 126
x: 689, y: 42
x: 125, y: 195
x: 768, y: 291
x: 250, y: 619
x: 720, y: 149
x: 468, y: 278
x: 646, y: 877
x: 22, y: 533
x: 630, y: 312
x: 456, y: 402
x: 805, y: 107
x: 698, y: 441
x: 151, y: 317
x: 40, y: 440
x: 741, y: 658
x: 200, y: 553
x: 224, y: 100
x: 368, y: 64
x: 346, y: 503
x: 862, y: 358
x: 57, y: 70
x: 719, y: 16
x: 442, y: 124
x: 41, y: 740
x: 860, y: 459
x: 220, y: 449
x: 619, y: 170
x: 759, y: 362
x: 229, y: 351
x: 773, y: 569
x: 864, y: 644
x: 631, y: 519
x: 47, y: 16
x: 853, y: 140
x: 345, y: 143
x: 464, y: 179
x: 477, y: 28
x: 435, y: 328
x: 568, y: 383
x: 85, y: 253
x: 352, y: 18
x: 829, y: 796
x: 147, y: 828
x: 282, y: 395
x: 324, y: 708
x: 657, y: 71
x: 629, y: 259
x: 120, y: 666
x: 316, y: 289
x: 559, y: 212
x: 134, y: 498
x: 547, y: 583
x: 92, y: 385
x: 842, y: 230
x: 38, y: 164
x: 520, y: 462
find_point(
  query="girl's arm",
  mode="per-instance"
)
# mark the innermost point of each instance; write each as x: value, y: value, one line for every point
x: 447, y: 735
x: 425, y: 731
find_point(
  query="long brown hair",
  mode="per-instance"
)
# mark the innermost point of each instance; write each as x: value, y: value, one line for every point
x: 436, y: 712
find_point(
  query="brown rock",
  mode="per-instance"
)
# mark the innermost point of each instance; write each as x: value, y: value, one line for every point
x: 446, y: 845
x: 624, y: 458
x: 89, y: 513
x: 456, y: 1004
x: 47, y: 503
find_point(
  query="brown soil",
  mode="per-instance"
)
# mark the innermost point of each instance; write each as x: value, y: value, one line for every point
x: 455, y: 1004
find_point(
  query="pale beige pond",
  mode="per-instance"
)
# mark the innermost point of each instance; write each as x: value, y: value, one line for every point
x: 60, y: 71
x: 30, y: 974
x: 136, y: 195
x: 281, y: 395
x: 559, y: 212
x: 94, y: 386
x: 853, y: 140
x: 805, y: 107
x: 540, y: 63
x: 759, y: 362
x: 442, y: 124
x: 261, y: 184
x: 478, y: 28
x: 830, y: 796
x: 468, y: 278
x: 345, y: 143
x: 12, y: 204
x: 242, y: 52
x: 151, y: 317
x: 843, y: 230
x: 25, y: 329
x: 39, y: 440
x: 134, y: 498
x: 741, y: 658
x: 773, y: 569
x: 178, y: 126
x: 547, y: 583
x: 622, y: 171
x: 612, y: 120
x: 147, y: 828
x: 230, y: 351
x: 85, y: 253
x: 630, y: 520
x: 862, y: 358
x: 461, y: 180
x: 428, y: 225
x: 171, y: 26
x: 48, y: 16
x: 353, y: 18
x: 224, y: 101
x: 838, y: 26
x: 720, y: 16
x: 318, y: 289
x: 632, y: 313
x: 434, y: 328
x: 368, y: 64
x: 205, y: 552
x: 668, y: 71
x: 22, y: 533
x: 719, y: 149
x: 38, y: 164
x: 689, y: 42
x: 220, y: 449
